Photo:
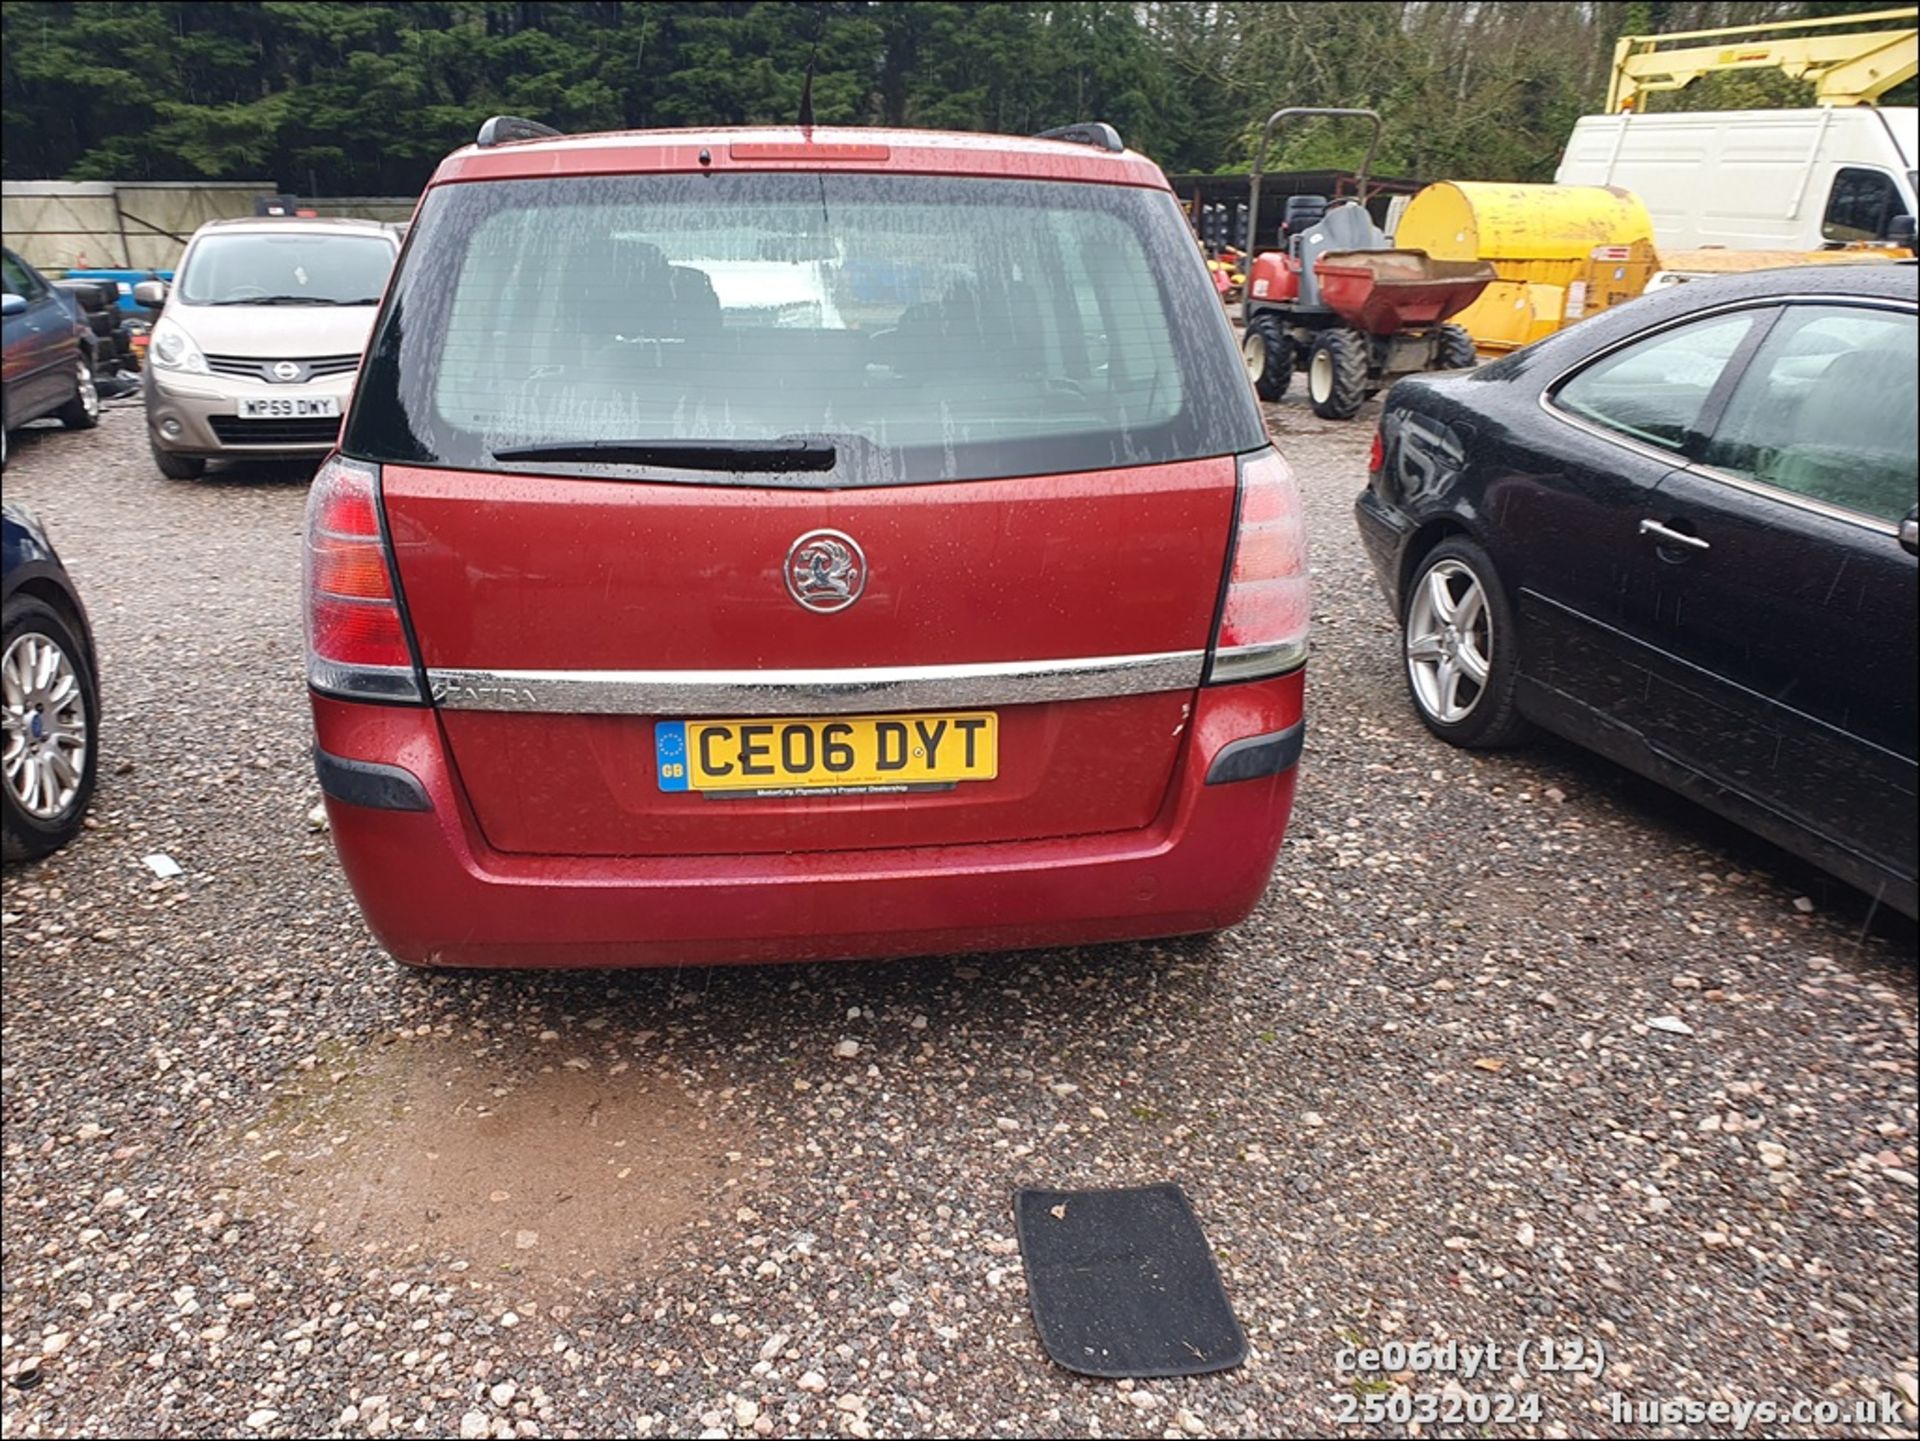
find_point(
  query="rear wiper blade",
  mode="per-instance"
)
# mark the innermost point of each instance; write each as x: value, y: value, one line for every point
x: 768, y: 455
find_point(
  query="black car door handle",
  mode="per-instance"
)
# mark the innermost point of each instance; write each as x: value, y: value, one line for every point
x: 1666, y: 535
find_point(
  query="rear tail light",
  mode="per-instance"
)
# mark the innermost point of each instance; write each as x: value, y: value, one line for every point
x: 356, y: 644
x: 1377, y: 454
x: 1263, y: 622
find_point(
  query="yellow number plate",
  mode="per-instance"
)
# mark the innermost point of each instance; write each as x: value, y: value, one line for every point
x: 859, y: 752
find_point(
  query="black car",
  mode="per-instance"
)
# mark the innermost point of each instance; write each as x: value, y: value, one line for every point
x: 51, y: 717
x: 1682, y: 533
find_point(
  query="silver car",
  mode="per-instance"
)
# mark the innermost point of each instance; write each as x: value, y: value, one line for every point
x: 257, y: 349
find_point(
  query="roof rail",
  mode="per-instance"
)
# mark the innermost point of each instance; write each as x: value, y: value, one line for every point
x: 1097, y: 133
x: 506, y: 129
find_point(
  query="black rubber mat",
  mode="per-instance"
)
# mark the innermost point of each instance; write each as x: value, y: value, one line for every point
x: 1123, y: 1283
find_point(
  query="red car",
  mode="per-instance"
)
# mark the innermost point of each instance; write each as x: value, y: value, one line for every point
x: 752, y: 545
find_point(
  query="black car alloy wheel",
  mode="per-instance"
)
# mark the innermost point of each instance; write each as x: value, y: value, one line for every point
x: 1461, y: 655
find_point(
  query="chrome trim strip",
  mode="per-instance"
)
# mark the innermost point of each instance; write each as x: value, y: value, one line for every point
x: 813, y: 692
x: 1671, y: 458
x: 1823, y: 508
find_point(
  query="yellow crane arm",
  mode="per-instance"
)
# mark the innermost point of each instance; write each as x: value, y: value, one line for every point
x: 1848, y: 69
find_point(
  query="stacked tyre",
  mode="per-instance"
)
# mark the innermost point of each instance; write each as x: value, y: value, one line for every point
x: 108, y: 343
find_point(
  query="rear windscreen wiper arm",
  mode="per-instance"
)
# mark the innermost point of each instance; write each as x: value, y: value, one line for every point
x: 768, y: 455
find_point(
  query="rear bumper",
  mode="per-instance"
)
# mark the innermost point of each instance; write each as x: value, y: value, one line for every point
x: 434, y: 893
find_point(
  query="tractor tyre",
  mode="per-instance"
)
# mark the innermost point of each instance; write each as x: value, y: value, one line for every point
x: 1337, y: 374
x: 1268, y: 351
x: 1454, y: 350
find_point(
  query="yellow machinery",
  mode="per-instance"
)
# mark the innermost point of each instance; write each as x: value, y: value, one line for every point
x: 1854, y: 69
x: 1561, y: 251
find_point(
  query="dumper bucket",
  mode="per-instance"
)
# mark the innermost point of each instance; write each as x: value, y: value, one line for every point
x: 1384, y: 291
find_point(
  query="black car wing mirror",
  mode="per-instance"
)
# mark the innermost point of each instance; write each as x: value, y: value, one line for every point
x: 1910, y: 532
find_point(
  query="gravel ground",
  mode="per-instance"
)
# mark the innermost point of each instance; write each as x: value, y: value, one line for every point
x: 260, y: 1180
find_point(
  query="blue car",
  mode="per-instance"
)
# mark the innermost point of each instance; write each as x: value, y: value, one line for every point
x: 48, y: 362
x: 51, y: 715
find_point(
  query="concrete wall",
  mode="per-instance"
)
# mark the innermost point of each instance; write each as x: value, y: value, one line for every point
x: 142, y: 225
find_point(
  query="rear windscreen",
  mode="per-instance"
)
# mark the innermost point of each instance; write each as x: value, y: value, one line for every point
x: 927, y: 328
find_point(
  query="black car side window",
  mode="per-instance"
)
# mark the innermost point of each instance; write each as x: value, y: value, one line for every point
x: 1827, y: 410
x: 1655, y: 389
x: 20, y: 280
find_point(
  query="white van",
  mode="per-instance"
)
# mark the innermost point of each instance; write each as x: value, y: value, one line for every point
x: 1792, y: 180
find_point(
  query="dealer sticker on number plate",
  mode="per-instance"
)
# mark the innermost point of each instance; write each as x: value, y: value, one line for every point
x: 823, y: 757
